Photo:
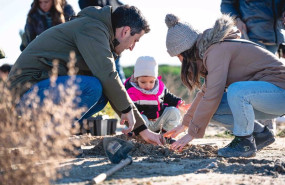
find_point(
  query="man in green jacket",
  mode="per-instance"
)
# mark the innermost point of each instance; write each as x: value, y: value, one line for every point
x: 96, y: 35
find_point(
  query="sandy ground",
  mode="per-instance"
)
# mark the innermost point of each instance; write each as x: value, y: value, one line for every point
x: 198, y: 164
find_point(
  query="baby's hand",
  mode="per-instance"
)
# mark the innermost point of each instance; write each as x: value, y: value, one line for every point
x: 183, y: 107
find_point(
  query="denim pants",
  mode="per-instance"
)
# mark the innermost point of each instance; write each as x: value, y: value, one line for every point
x: 246, y: 101
x: 169, y: 119
x: 89, y: 93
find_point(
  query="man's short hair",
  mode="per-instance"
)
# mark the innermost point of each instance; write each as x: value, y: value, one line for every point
x: 131, y: 16
x: 6, y: 68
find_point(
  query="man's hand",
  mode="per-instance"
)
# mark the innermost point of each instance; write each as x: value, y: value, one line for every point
x: 130, y: 118
x: 175, y: 131
x: 242, y: 27
x: 179, y: 144
x: 152, y: 138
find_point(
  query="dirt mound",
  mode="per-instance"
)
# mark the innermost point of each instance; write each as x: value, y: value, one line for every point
x: 141, y: 149
x: 247, y: 166
x: 157, y: 154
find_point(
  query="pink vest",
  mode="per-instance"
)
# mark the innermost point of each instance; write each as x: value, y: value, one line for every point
x: 148, y: 99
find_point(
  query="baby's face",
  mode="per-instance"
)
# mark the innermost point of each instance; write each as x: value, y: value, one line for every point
x: 146, y: 82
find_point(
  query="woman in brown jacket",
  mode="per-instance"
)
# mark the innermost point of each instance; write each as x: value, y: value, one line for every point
x: 243, y: 82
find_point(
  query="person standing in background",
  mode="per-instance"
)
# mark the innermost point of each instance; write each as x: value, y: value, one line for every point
x: 242, y: 82
x: 43, y: 15
x: 262, y: 21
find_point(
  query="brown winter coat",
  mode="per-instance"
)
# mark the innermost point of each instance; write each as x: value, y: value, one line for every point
x: 226, y: 63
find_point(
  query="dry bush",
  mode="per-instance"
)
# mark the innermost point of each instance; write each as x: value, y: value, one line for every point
x: 33, y: 144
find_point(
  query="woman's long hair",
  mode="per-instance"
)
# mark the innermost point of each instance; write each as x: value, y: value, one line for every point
x: 190, y: 75
x: 56, y: 11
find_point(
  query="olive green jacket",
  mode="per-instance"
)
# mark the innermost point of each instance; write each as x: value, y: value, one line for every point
x: 90, y: 36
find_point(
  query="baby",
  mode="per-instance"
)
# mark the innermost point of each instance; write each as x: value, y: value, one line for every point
x: 159, y: 108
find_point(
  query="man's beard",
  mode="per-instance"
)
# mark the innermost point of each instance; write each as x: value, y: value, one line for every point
x: 115, y: 42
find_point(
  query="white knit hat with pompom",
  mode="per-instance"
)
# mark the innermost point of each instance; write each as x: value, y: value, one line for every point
x: 180, y: 36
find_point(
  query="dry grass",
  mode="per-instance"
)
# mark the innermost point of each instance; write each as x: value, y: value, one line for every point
x: 34, y: 142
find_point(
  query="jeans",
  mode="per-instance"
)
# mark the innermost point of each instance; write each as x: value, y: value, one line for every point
x: 246, y: 101
x: 89, y: 93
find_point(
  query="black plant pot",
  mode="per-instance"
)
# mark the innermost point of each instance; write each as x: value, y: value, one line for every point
x: 98, y: 126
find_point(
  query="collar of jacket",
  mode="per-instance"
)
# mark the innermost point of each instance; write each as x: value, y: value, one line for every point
x: 104, y: 15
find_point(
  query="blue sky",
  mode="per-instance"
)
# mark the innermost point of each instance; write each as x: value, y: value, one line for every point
x: 201, y: 14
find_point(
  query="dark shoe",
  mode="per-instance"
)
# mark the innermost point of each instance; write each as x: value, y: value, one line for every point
x: 264, y: 138
x: 239, y: 147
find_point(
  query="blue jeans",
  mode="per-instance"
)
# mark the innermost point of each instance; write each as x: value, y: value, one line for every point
x: 249, y: 100
x: 89, y: 93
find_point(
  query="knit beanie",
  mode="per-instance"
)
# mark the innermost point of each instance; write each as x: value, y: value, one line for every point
x: 146, y: 66
x: 180, y: 36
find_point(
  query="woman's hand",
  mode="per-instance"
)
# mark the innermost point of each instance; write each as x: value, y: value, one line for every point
x: 175, y: 131
x: 179, y: 144
x: 152, y: 138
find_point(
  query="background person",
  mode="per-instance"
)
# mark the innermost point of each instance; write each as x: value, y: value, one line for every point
x: 43, y: 15
x: 262, y: 21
